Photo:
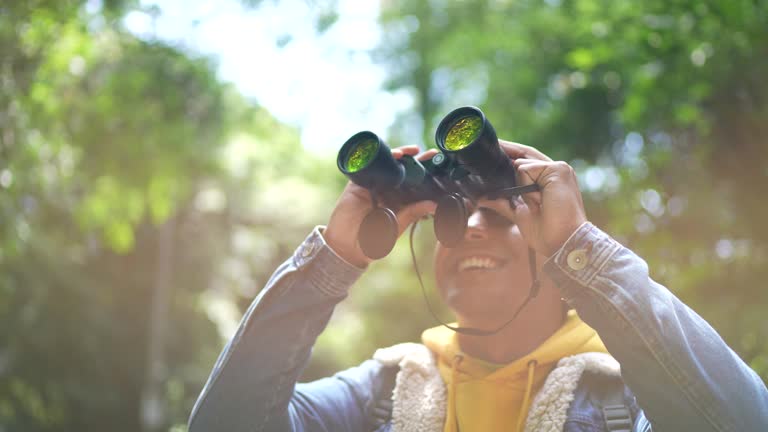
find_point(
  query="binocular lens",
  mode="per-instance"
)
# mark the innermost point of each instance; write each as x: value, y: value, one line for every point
x: 463, y: 132
x: 468, y: 138
x: 361, y: 154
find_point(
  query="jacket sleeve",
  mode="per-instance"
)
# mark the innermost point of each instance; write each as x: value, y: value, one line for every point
x: 253, y: 384
x: 684, y: 375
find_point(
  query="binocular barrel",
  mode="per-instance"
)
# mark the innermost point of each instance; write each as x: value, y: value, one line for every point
x: 471, y: 165
x: 466, y: 136
x: 367, y: 160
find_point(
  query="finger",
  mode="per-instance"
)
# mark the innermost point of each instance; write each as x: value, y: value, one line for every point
x: 516, y: 150
x: 524, y: 217
x: 533, y: 168
x: 413, y: 212
x: 528, y: 174
x: 410, y: 150
x: 427, y: 155
x: 525, y: 161
x: 357, y: 191
x: 500, y: 206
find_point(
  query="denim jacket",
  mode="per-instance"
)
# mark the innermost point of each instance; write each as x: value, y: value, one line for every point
x: 682, y: 376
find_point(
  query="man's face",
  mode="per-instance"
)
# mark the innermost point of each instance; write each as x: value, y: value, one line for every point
x: 487, y: 273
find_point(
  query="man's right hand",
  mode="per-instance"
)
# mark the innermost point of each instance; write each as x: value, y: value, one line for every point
x: 355, y: 202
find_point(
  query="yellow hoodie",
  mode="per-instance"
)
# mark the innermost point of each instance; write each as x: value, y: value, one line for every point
x: 483, y: 396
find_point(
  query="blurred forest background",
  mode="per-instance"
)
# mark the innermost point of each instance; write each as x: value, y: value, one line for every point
x: 144, y: 202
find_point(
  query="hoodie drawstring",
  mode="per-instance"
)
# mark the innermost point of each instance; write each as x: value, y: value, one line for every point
x: 527, y: 397
x: 452, y: 423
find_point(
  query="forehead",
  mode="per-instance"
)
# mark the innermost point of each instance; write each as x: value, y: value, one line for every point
x: 488, y: 203
x: 491, y: 217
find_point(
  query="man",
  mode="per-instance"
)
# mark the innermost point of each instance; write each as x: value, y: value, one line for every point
x: 546, y: 371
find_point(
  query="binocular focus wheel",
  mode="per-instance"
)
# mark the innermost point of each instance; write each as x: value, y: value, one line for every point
x: 378, y: 233
x: 450, y: 220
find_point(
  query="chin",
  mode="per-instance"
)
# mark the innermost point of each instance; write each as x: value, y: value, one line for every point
x: 479, y: 304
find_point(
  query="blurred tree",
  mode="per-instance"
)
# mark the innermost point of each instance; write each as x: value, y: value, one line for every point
x: 127, y: 170
x: 114, y: 149
x: 662, y: 108
x: 102, y: 136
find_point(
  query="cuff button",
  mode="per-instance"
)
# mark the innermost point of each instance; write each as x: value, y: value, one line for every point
x: 577, y: 259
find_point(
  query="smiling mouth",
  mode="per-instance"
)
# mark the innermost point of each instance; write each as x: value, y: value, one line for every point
x: 478, y: 263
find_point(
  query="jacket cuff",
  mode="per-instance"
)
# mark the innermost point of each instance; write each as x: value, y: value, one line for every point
x: 325, y: 270
x: 581, y: 258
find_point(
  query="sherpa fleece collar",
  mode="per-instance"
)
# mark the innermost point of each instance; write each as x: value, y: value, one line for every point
x: 420, y: 396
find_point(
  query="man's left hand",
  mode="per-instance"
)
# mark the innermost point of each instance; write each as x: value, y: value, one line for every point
x: 546, y: 218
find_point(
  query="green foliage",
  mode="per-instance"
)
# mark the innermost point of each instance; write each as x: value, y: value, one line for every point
x: 126, y: 166
x: 126, y: 170
x: 661, y: 106
x: 96, y: 149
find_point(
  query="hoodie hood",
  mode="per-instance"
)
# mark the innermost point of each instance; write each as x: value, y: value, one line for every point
x: 484, y: 396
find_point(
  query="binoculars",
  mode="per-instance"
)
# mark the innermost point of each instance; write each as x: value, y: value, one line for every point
x: 470, y: 165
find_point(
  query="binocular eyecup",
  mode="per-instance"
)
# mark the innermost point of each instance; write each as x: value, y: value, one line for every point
x: 466, y: 135
x: 367, y: 161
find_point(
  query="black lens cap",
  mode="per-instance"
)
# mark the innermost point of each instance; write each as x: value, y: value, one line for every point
x: 450, y: 220
x: 378, y: 233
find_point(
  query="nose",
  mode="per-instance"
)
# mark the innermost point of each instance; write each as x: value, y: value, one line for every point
x: 477, y: 227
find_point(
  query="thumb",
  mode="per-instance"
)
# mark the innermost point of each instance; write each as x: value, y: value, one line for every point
x: 413, y: 212
x: 525, y: 218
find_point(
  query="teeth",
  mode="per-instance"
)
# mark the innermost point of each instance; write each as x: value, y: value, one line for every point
x: 477, y: 263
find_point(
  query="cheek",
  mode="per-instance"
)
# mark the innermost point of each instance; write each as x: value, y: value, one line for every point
x: 439, y: 262
x: 514, y: 241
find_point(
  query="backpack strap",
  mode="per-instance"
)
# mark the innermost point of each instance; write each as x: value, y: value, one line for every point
x: 617, y: 416
x: 378, y: 409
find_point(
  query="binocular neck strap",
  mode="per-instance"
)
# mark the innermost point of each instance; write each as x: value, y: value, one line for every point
x: 519, y: 190
x: 535, y: 283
